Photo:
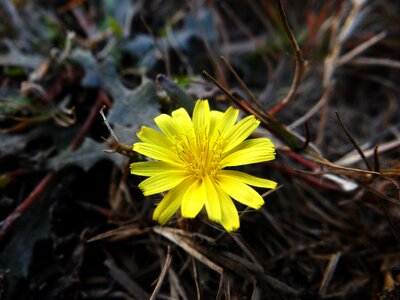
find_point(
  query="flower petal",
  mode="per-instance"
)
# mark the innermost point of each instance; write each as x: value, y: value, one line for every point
x: 228, y: 120
x: 239, y: 132
x: 151, y: 168
x: 249, y: 152
x: 151, y: 136
x: 182, y: 118
x: 162, y: 182
x: 239, y: 191
x: 220, y: 123
x: 215, y: 117
x: 213, y: 206
x: 229, y: 215
x: 171, y: 203
x: 249, y: 179
x: 201, y: 117
x: 193, y: 200
x: 167, y: 125
x: 156, y: 152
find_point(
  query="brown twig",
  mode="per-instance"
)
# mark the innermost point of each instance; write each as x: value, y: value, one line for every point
x: 307, y: 141
x: 242, y: 84
x: 300, y: 63
x: 353, y: 141
x: 376, y: 159
x: 266, y: 120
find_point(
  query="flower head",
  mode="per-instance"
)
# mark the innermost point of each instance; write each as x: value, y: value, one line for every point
x: 191, y: 156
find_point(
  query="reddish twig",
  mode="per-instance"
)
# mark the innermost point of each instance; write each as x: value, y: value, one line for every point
x: 314, y: 181
x: 24, y: 206
x: 301, y: 160
x: 7, y: 224
x: 102, y: 99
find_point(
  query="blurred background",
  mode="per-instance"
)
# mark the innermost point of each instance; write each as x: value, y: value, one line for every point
x: 323, y: 78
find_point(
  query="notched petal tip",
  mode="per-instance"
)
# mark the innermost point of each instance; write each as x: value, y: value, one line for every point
x: 231, y: 229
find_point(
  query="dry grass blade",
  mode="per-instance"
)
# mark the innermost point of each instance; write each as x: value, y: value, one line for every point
x: 382, y: 195
x: 220, y: 287
x: 125, y: 280
x: 353, y: 158
x: 375, y: 62
x: 177, y: 290
x: 328, y: 274
x: 162, y: 275
x: 174, y: 236
x: 196, y: 279
x: 247, y: 250
x: 352, y: 140
x: 360, y: 48
x: 346, y: 170
x: 120, y: 233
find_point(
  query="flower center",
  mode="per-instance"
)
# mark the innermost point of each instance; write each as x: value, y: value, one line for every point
x: 199, y: 153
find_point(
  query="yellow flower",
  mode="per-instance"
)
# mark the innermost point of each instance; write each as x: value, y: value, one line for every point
x: 191, y: 156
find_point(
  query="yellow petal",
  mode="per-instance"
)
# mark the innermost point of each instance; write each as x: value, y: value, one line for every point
x: 213, y: 206
x: 239, y: 132
x: 156, y: 152
x: 162, y: 182
x: 215, y: 117
x: 249, y: 179
x: 151, y: 136
x: 201, y: 117
x: 229, y: 215
x: 171, y: 203
x: 167, y: 125
x: 150, y: 168
x: 182, y: 118
x: 239, y: 191
x: 249, y: 152
x: 220, y: 123
x: 228, y: 120
x: 193, y: 201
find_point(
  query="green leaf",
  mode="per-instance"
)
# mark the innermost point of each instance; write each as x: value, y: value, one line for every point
x: 115, y: 26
